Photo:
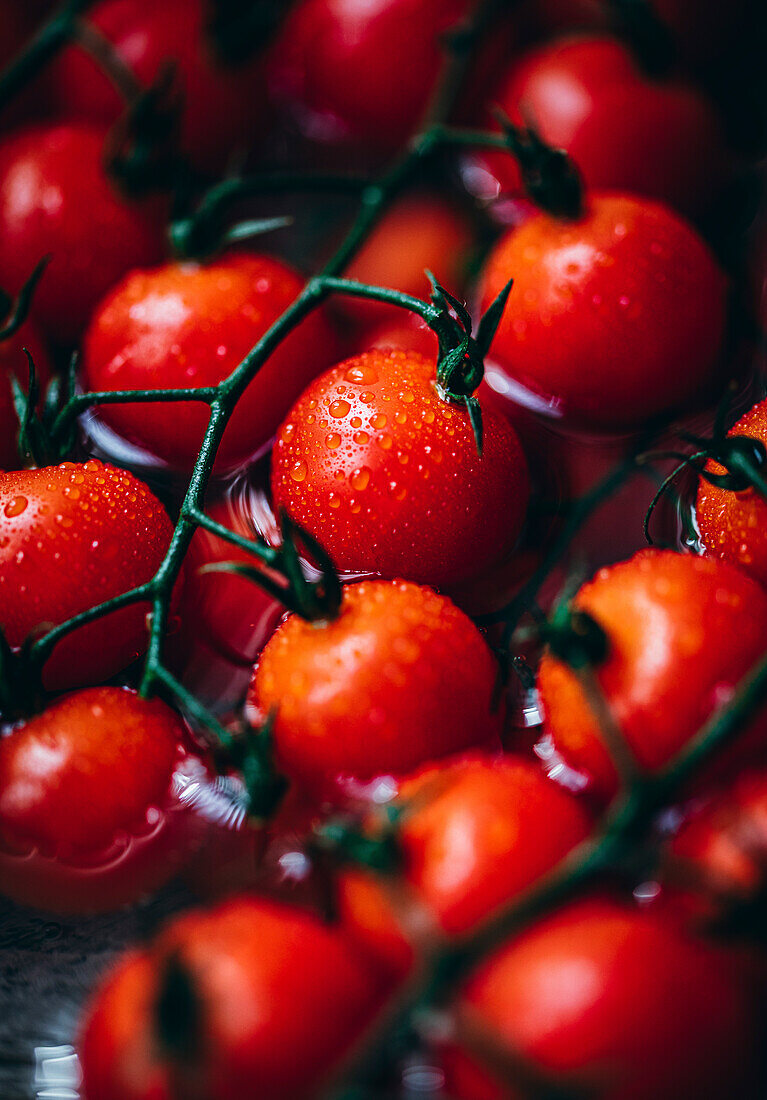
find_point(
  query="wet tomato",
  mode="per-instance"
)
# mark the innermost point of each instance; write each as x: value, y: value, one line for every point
x: 612, y: 1002
x: 92, y: 809
x: 385, y: 473
x: 273, y: 996
x: 375, y: 691
x: 189, y: 324
x: 615, y: 317
x: 55, y: 198
x: 681, y: 631
x: 71, y: 537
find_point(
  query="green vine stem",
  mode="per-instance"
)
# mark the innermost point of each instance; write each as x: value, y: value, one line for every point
x: 41, y: 49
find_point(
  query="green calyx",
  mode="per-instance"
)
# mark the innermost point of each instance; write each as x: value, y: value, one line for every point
x: 550, y: 177
x: 574, y: 637
x: 350, y: 844
x: 251, y: 752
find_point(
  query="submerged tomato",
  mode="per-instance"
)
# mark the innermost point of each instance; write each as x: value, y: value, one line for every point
x: 189, y: 324
x: 91, y: 810
x: 386, y: 474
x: 274, y: 998
x: 71, y: 537
x: 615, y: 317
x: 400, y: 677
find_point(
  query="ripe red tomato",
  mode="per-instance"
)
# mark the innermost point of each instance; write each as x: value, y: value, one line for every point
x: 332, y: 66
x: 189, y: 324
x: 275, y: 1001
x: 13, y: 363
x: 55, y: 198
x: 91, y: 801
x: 225, y: 106
x: 625, y: 132
x: 616, y: 1003
x: 615, y: 317
x: 375, y: 691
x: 733, y: 525
x: 510, y: 824
x: 73, y: 536
x: 682, y: 631
x: 386, y: 474
x: 408, y: 332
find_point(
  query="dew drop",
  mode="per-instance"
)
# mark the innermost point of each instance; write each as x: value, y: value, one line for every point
x: 360, y: 479
x: 362, y: 374
x: 378, y: 421
x: 298, y: 470
x: 16, y: 506
x: 361, y: 438
x: 333, y: 441
x: 339, y: 408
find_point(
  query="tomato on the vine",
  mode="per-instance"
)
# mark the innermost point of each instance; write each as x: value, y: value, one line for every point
x: 274, y: 1000
x: 71, y: 537
x: 598, y: 998
x: 13, y: 364
x: 682, y: 631
x: 91, y: 801
x: 399, y: 677
x: 189, y: 325
x: 385, y: 473
x: 616, y: 316
x: 56, y: 199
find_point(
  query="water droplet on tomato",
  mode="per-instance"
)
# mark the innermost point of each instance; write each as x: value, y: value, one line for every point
x: 16, y: 506
x: 333, y: 441
x: 339, y: 408
x: 298, y: 470
x: 378, y: 421
x: 362, y: 374
x: 360, y: 479
x: 361, y: 438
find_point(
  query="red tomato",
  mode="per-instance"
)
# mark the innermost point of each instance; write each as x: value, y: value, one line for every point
x: 475, y: 832
x: 13, y: 362
x: 408, y: 332
x: 625, y: 132
x: 617, y: 1004
x: 91, y: 801
x: 225, y: 107
x: 386, y: 474
x: 333, y: 63
x: 277, y: 1000
x: 187, y: 324
x: 56, y: 198
x: 615, y: 317
x: 73, y: 536
x: 733, y: 526
x: 375, y: 691
x: 682, y: 631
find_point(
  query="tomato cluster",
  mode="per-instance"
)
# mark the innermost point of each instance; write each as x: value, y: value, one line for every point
x: 344, y: 346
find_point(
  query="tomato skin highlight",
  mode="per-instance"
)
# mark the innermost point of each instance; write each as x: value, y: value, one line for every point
x: 375, y: 691
x: 87, y: 521
x: 617, y: 316
x: 265, y: 975
x: 89, y: 815
x: 189, y: 324
x: 609, y: 999
x: 386, y: 474
x: 55, y: 198
x: 682, y: 631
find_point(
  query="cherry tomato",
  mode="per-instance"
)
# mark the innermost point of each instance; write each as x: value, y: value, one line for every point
x: 225, y: 107
x: 682, y: 631
x: 13, y: 363
x: 277, y: 1000
x: 400, y: 677
x: 188, y: 324
x: 386, y: 474
x: 91, y: 801
x: 732, y: 525
x: 408, y: 332
x: 615, y: 317
x: 510, y: 824
x: 332, y: 66
x: 56, y: 199
x: 615, y: 1003
x: 73, y: 536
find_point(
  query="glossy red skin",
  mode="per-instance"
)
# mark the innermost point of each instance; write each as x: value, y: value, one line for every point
x: 56, y: 199
x: 662, y: 139
x: 187, y: 324
x: 733, y: 526
x: 375, y: 691
x: 682, y: 630
x: 71, y: 537
x: 386, y: 474
x: 409, y: 333
x: 616, y: 317
x: 89, y: 819
x: 617, y: 1003
x: 267, y: 977
x: 13, y: 363
x: 481, y: 830
x: 332, y: 66
x: 225, y: 107
x: 232, y: 614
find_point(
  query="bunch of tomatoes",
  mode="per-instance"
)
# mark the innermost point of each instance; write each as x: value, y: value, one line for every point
x: 383, y: 539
